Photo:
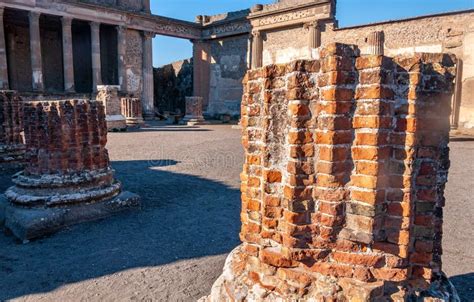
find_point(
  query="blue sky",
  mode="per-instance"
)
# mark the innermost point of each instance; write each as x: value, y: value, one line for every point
x: 349, y: 12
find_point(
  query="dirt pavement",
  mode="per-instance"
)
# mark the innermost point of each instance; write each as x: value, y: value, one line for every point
x: 174, y: 248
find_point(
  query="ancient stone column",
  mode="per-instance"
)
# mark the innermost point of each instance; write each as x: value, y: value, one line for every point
x: 343, y: 180
x: 314, y: 34
x: 146, y: 6
x: 35, y: 52
x: 12, y: 148
x: 376, y: 41
x: 121, y: 50
x: 68, y: 63
x: 95, y: 48
x: 68, y: 178
x: 194, y: 105
x: 3, y: 54
x: 148, y: 93
x: 201, y: 70
x: 257, y: 49
x: 108, y: 95
x: 132, y: 110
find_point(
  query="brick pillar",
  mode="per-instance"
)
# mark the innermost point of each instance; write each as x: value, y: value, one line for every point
x: 257, y: 49
x: 346, y: 160
x: 68, y: 63
x: 122, y: 52
x: 12, y: 149
x: 3, y: 54
x: 95, y: 49
x: 148, y: 93
x: 68, y: 178
x: 35, y: 51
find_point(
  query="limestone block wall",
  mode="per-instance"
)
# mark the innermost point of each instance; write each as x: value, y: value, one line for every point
x: 343, y: 181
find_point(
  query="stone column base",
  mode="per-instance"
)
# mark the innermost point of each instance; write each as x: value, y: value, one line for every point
x: 116, y: 123
x: 240, y: 282
x: 40, y: 205
x: 194, y: 121
x: 31, y: 223
x: 12, y: 157
x: 134, y: 121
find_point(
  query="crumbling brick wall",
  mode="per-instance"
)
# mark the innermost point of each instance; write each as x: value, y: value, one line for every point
x: 11, y: 127
x: 342, y: 186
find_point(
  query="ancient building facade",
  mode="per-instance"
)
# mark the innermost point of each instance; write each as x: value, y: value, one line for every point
x: 289, y: 30
x: 55, y: 48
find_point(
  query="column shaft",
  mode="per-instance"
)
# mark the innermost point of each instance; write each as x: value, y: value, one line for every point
x: 121, y: 50
x: 257, y: 49
x: 68, y: 63
x: 3, y: 55
x: 147, y: 96
x: 376, y: 42
x: 95, y: 48
x: 201, y: 71
x: 35, y: 47
x: 314, y: 34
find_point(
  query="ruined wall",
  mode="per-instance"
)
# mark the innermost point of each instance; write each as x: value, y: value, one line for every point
x: 134, y: 62
x: 343, y: 181
x: 173, y: 82
x: 228, y: 67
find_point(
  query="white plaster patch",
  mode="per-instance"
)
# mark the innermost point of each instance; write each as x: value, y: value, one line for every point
x: 286, y: 55
x: 133, y: 81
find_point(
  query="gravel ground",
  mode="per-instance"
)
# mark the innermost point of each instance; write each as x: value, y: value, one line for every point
x: 175, y: 247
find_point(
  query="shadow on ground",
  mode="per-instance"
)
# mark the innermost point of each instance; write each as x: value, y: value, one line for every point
x: 464, y: 285
x: 183, y: 217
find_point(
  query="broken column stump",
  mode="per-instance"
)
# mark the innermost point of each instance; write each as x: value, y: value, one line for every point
x: 194, y: 114
x: 68, y: 178
x: 132, y: 110
x: 12, y: 148
x: 108, y: 95
x: 343, y: 182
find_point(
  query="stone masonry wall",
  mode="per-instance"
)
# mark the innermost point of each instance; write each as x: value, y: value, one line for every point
x: 173, y: 83
x: 342, y: 186
x: 134, y: 62
x: 228, y: 67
